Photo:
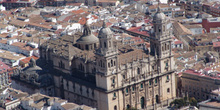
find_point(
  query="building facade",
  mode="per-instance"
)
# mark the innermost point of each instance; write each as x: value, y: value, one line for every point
x: 102, y: 73
x: 200, y: 84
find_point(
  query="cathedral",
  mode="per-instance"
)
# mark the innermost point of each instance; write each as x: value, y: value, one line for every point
x: 101, y: 72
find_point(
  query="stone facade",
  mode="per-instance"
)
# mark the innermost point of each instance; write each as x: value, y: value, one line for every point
x: 33, y: 79
x: 111, y: 76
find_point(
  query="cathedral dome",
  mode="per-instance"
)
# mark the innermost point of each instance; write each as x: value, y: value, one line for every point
x: 105, y: 31
x: 32, y: 68
x: 159, y: 15
x: 35, y: 75
x: 87, y: 37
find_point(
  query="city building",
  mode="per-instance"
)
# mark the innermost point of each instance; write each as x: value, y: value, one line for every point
x: 200, y: 83
x: 11, y: 98
x: 10, y: 58
x: 99, y: 72
x: 51, y: 3
x: 12, y: 4
x: 4, y: 74
x: 212, y: 103
x: 39, y: 101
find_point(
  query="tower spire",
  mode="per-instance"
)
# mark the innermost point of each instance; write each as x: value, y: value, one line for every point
x: 158, y: 8
x: 104, y: 24
x: 87, y: 30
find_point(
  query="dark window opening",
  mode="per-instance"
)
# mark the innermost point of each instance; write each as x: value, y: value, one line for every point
x: 105, y: 44
x: 128, y: 106
x: 157, y: 99
x: 142, y: 102
x: 138, y: 71
x: 87, y: 47
x: 168, y: 90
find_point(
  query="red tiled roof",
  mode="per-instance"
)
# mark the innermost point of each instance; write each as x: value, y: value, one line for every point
x: 3, y: 67
x: 82, y: 21
x: 216, y: 44
x: 180, y: 73
x: 108, y: 24
x: 178, y: 42
x: 207, y: 69
x: 58, y: 31
x: 78, y: 11
x: 137, y: 30
x: 95, y: 17
x: 27, y: 60
x: 18, y: 44
x: 192, y: 72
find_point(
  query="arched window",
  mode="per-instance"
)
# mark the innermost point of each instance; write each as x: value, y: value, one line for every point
x: 142, y: 86
x: 128, y: 106
x: 157, y: 99
x: 114, y: 94
x: 109, y: 43
x: 105, y: 44
x: 168, y: 47
x: 133, y: 88
x: 111, y: 63
x: 101, y: 63
x: 155, y: 81
x: 142, y: 102
x: 126, y: 90
x: 115, y: 107
x: 113, y: 80
x: 61, y: 65
x: 168, y: 90
x: 168, y: 77
x: 165, y: 46
x: 162, y: 48
x: 138, y: 71
x: 108, y: 64
x: 87, y: 47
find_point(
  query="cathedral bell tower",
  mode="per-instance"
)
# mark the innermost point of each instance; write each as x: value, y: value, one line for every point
x: 160, y: 43
x: 162, y: 57
x: 106, y: 57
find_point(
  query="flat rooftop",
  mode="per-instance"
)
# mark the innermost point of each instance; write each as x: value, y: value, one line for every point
x: 11, y: 55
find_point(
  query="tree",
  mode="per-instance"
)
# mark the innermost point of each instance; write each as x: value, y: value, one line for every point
x: 178, y: 103
x: 193, y: 101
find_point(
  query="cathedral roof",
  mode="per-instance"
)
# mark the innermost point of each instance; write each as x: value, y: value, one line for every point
x: 159, y: 15
x: 63, y: 46
x: 128, y: 54
x: 32, y: 68
x: 105, y: 31
x: 87, y: 37
x: 34, y: 75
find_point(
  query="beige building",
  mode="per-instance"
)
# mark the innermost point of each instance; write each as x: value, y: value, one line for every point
x: 199, y: 84
x: 99, y: 72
